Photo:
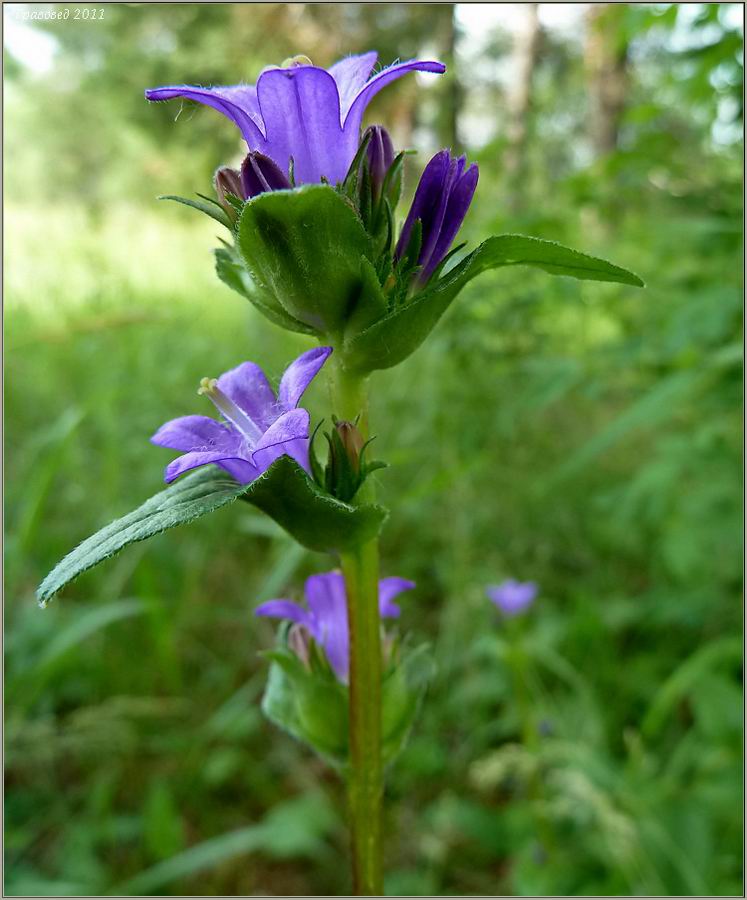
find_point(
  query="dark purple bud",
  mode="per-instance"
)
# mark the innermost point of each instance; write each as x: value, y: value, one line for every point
x: 380, y: 155
x: 441, y: 202
x: 228, y: 181
x: 260, y: 174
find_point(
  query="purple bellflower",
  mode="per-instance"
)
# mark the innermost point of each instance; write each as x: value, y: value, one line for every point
x: 259, y: 426
x: 513, y: 597
x: 441, y: 201
x: 302, y: 112
x: 326, y: 618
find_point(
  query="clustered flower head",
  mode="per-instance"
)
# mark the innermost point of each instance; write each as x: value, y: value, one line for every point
x: 325, y: 618
x: 302, y: 125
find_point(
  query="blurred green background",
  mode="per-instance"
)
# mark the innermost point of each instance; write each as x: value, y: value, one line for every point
x: 584, y: 436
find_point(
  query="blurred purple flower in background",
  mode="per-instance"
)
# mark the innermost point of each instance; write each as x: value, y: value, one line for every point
x: 441, y: 202
x: 513, y: 597
x: 301, y: 111
x: 259, y: 428
x: 326, y: 618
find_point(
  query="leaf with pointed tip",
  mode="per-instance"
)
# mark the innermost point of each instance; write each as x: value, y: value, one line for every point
x: 215, y: 211
x: 189, y: 498
x: 285, y: 492
x: 393, y: 338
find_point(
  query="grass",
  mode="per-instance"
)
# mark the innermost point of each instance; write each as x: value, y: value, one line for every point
x: 582, y: 437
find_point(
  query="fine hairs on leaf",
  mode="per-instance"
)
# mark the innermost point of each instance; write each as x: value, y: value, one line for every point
x: 285, y: 492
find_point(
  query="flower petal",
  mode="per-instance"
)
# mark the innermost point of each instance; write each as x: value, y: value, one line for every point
x: 247, y: 386
x: 284, y: 609
x: 327, y: 601
x: 389, y: 588
x: 290, y: 427
x: 240, y: 470
x: 513, y: 597
x: 196, y: 433
x: 300, y: 108
x: 350, y: 74
x: 195, y: 459
x: 237, y: 102
x: 299, y: 375
x: 364, y: 96
x: 460, y: 198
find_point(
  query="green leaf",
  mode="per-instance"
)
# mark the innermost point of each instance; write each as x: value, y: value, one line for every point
x: 304, y: 248
x: 233, y: 273
x: 189, y: 498
x: 393, y: 338
x: 285, y: 492
x: 314, y: 518
x: 214, y: 210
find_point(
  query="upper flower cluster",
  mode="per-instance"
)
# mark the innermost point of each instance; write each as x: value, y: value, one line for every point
x: 301, y: 112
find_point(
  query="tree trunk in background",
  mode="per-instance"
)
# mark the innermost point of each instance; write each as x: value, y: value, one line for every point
x: 453, y: 98
x: 525, y: 57
x: 606, y: 59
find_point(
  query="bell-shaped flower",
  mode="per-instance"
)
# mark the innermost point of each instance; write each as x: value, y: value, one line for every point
x: 259, y: 425
x: 441, y: 201
x: 302, y: 112
x: 326, y: 618
x: 513, y: 597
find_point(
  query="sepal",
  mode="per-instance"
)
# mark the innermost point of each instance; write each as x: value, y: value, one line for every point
x: 315, y: 518
x: 204, y: 205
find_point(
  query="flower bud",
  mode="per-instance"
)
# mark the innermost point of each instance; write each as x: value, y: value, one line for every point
x: 260, y: 174
x: 352, y: 443
x: 380, y: 156
x: 298, y: 642
x: 441, y: 201
x: 228, y: 181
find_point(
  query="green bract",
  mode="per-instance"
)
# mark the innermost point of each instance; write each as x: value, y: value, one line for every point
x: 285, y: 492
x: 309, y: 265
x: 312, y: 705
x: 395, y: 336
x: 307, y: 250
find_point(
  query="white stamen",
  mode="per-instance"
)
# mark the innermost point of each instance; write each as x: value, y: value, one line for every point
x: 228, y: 409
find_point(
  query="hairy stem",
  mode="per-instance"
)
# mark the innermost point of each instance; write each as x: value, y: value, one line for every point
x: 361, y: 570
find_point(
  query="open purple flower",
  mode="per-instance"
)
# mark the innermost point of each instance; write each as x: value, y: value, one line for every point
x: 441, y: 201
x: 326, y: 618
x: 302, y: 112
x: 513, y: 597
x: 259, y: 426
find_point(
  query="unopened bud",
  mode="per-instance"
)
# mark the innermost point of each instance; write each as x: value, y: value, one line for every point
x: 298, y: 642
x: 260, y: 174
x: 228, y: 181
x: 380, y: 155
x: 352, y: 443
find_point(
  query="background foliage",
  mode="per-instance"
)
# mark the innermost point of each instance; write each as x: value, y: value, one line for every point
x: 585, y: 436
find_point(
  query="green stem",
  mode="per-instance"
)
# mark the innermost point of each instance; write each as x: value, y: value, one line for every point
x: 360, y: 568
